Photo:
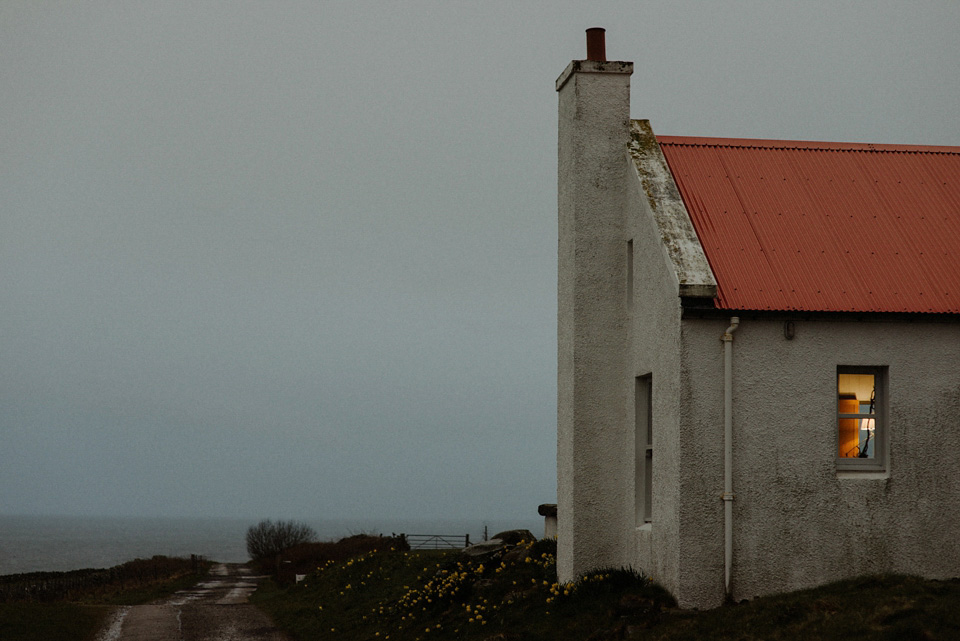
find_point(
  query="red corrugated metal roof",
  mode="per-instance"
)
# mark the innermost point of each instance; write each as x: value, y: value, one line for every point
x: 813, y: 226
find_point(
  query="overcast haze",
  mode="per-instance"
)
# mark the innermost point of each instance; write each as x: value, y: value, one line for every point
x: 298, y: 259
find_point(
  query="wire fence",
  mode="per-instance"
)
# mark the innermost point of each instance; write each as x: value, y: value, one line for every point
x: 54, y: 586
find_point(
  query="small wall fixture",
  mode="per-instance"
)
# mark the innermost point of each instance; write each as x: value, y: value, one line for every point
x: 789, y: 330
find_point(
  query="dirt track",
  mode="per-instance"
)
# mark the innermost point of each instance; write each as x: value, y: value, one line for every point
x: 215, y: 610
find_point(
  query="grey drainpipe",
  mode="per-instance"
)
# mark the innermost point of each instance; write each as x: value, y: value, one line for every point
x: 727, y: 497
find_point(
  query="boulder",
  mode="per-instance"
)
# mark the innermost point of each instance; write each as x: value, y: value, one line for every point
x: 515, y: 537
x: 502, y: 541
x: 484, y: 548
x: 518, y: 553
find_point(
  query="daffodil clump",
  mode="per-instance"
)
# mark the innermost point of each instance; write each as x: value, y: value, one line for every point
x: 449, y: 594
x: 415, y: 596
x: 354, y: 574
x: 558, y: 590
x: 447, y: 589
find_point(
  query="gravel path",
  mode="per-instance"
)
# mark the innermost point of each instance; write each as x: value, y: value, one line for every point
x: 215, y: 610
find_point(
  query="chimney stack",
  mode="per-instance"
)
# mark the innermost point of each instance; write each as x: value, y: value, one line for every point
x: 593, y: 171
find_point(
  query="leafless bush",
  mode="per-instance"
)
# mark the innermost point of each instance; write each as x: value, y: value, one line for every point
x: 267, y: 539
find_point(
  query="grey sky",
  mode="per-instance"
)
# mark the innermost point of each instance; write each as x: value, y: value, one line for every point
x: 299, y: 258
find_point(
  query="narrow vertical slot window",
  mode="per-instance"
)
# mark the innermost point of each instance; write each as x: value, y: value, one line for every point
x: 643, y: 452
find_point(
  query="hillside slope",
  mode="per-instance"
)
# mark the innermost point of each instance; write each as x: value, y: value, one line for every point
x: 513, y: 595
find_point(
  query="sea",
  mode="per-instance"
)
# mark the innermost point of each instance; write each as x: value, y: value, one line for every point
x: 61, y: 543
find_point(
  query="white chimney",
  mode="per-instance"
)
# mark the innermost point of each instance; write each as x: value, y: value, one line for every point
x: 592, y: 378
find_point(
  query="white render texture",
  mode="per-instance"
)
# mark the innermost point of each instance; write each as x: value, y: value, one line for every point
x: 549, y: 527
x: 654, y: 348
x: 594, y: 105
x: 798, y: 522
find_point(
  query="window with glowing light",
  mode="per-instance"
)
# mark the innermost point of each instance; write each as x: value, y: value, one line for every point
x: 860, y: 421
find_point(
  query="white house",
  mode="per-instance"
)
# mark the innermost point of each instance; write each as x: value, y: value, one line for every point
x: 758, y: 353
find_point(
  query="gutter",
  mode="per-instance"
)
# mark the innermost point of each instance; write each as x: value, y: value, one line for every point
x: 727, y: 496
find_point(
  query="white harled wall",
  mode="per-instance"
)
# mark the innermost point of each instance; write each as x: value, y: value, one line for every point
x: 594, y: 106
x: 668, y: 262
x: 655, y: 350
x: 798, y: 523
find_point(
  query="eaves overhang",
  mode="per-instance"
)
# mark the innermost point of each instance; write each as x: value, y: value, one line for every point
x: 697, y: 308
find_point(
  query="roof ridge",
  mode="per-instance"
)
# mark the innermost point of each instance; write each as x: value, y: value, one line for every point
x: 803, y: 145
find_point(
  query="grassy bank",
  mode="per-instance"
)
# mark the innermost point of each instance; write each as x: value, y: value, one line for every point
x: 441, y: 595
x: 80, y: 613
x: 411, y: 596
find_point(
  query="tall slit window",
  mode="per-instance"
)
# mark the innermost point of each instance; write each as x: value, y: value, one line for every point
x: 860, y: 420
x: 643, y: 450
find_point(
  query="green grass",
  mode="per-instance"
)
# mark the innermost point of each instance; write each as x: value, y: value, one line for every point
x: 81, y: 617
x: 57, y: 621
x: 901, y: 608
x: 146, y: 594
x: 411, y: 596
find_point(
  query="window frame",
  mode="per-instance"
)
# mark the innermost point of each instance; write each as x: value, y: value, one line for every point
x: 643, y: 449
x: 881, y: 428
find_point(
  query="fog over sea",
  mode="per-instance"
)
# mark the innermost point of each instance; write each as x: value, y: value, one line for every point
x: 60, y: 543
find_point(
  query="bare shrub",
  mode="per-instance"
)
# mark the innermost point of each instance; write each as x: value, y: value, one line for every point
x: 267, y: 539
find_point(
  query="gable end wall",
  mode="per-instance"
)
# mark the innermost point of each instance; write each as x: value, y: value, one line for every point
x: 654, y: 349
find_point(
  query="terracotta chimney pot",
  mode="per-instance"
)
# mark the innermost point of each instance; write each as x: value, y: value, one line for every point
x: 596, y: 44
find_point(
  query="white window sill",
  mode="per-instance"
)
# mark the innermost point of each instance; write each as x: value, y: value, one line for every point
x: 646, y: 527
x: 863, y: 475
